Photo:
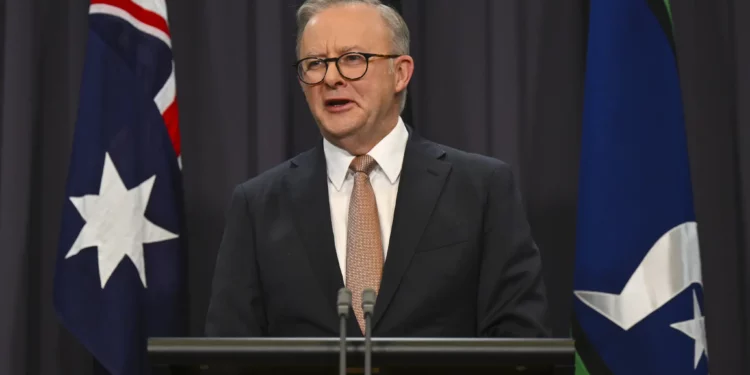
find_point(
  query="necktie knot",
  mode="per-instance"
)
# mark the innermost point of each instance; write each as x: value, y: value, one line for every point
x: 363, y: 163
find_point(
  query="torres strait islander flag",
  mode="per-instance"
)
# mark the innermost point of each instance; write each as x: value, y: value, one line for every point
x: 638, y: 288
x: 119, y: 275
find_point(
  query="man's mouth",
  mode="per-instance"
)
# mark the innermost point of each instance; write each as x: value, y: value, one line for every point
x: 338, y: 105
x: 337, y: 102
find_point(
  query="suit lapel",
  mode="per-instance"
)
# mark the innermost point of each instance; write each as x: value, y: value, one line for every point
x: 422, y: 177
x: 308, y: 188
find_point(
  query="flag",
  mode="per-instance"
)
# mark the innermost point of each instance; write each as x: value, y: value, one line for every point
x: 120, y: 260
x: 638, y: 295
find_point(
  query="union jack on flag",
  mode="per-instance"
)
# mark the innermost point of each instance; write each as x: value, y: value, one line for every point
x: 119, y: 275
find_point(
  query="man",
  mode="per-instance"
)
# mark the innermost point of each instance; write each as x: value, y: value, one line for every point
x: 438, y: 233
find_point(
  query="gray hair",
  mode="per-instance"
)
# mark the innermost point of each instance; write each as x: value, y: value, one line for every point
x: 394, y: 21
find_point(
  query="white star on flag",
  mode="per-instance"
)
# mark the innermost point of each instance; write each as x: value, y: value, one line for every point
x: 696, y: 329
x: 115, y: 223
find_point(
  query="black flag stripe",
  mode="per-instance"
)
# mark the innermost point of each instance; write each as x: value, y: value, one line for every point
x: 594, y: 364
x: 659, y: 9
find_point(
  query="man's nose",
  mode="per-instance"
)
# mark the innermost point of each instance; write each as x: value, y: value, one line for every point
x: 333, y: 78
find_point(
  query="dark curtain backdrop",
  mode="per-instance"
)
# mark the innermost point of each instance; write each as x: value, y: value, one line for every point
x: 498, y: 77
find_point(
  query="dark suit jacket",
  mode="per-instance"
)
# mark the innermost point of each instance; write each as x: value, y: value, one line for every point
x: 461, y: 261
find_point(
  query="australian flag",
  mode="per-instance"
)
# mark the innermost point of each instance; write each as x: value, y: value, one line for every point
x: 638, y: 287
x: 120, y: 264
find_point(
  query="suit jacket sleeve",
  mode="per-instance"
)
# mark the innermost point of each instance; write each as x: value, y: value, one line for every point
x: 236, y: 306
x: 511, y: 296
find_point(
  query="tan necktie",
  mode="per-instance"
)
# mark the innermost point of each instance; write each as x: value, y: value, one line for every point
x: 364, y: 248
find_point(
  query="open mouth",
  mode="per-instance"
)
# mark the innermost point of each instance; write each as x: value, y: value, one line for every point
x: 337, y: 103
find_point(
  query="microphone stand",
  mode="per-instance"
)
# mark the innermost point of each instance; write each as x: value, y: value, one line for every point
x: 368, y: 306
x: 343, y: 303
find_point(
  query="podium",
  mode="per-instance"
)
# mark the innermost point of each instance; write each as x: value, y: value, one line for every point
x: 471, y: 356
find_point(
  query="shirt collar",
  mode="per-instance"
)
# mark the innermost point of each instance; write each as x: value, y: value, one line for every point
x: 388, y: 153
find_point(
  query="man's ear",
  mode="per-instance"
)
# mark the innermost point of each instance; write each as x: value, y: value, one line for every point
x: 403, y: 71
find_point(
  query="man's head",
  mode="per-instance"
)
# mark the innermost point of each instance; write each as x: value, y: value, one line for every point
x: 359, y: 107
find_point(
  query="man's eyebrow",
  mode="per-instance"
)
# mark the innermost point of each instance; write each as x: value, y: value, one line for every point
x: 341, y: 50
x: 350, y: 48
x: 310, y: 53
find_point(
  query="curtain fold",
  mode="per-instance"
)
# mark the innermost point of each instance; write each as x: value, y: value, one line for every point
x: 18, y: 92
x: 712, y: 47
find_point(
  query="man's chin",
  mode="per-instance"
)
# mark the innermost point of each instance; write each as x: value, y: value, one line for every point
x: 341, y: 127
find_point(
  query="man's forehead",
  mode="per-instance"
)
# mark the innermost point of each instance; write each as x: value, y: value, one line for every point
x: 343, y: 29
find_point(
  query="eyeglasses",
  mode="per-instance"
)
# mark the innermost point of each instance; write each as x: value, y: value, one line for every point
x: 351, y: 65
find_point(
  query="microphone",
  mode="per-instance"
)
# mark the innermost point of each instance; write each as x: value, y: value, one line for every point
x: 343, y: 303
x: 368, y: 306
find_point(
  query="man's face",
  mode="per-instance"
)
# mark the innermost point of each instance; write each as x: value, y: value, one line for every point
x: 343, y: 107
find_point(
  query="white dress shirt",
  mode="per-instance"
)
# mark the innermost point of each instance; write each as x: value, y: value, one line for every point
x: 389, y: 154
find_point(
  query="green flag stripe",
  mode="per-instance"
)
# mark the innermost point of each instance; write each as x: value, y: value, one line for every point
x: 662, y: 11
x: 669, y: 11
x: 580, y: 366
x: 586, y: 353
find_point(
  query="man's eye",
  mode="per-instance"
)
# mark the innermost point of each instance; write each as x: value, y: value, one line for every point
x: 314, y: 64
x: 353, y: 58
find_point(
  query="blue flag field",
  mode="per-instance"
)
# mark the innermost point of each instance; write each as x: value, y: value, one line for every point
x: 638, y: 305
x: 119, y: 275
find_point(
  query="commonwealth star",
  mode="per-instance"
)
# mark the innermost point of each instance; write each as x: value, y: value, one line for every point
x: 115, y: 223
